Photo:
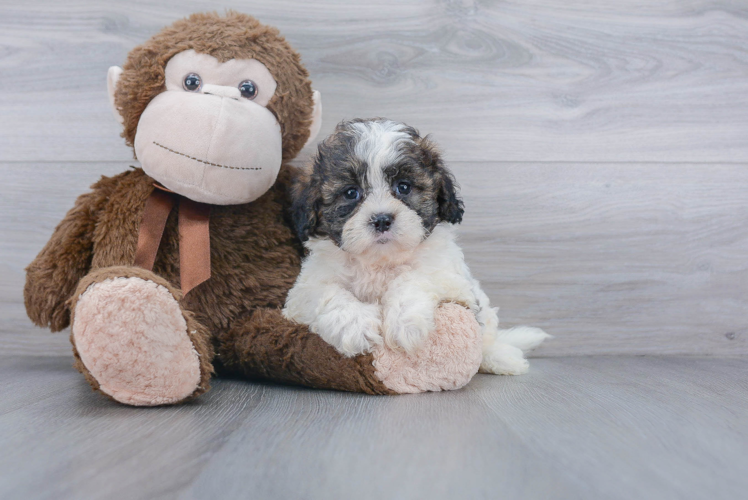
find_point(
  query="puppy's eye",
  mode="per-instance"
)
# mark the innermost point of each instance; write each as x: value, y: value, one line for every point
x: 248, y: 88
x: 352, y: 193
x: 192, y: 82
x: 403, y: 188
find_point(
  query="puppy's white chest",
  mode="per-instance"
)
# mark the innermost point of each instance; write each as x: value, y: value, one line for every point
x: 369, y: 283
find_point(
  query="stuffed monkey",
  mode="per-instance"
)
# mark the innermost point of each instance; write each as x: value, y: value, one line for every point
x: 173, y: 271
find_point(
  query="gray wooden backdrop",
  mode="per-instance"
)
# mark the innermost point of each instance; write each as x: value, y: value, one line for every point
x: 602, y: 147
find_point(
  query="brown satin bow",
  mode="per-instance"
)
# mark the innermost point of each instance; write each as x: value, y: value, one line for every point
x: 194, y: 235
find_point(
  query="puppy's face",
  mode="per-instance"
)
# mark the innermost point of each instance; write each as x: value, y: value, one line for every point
x: 376, y: 186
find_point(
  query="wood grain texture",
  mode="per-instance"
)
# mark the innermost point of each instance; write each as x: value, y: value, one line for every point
x: 597, y: 427
x: 611, y: 259
x: 542, y: 81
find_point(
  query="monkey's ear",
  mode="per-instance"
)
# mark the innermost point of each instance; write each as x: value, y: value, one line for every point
x: 316, y: 118
x: 112, y: 77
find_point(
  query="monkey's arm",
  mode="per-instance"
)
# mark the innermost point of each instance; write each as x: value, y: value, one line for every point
x: 54, y: 274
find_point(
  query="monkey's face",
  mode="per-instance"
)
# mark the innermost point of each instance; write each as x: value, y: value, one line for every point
x: 209, y: 135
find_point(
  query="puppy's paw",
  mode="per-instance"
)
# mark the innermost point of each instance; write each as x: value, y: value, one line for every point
x: 503, y: 359
x: 352, y: 330
x: 409, y: 325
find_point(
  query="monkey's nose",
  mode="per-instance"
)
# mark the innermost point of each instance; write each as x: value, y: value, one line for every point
x: 382, y: 222
x: 222, y: 91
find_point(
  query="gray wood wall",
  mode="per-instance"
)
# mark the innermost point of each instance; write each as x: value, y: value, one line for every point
x: 602, y: 146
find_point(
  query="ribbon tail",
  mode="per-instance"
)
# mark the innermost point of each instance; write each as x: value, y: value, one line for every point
x: 194, y: 243
x: 158, y: 206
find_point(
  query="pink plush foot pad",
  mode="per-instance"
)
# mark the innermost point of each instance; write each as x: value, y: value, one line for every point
x: 132, y: 337
x: 450, y: 358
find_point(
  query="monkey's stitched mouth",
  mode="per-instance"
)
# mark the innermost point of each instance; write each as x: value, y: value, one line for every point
x: 203, y: 161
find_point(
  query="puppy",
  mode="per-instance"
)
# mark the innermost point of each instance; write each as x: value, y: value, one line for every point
x: 376, y: 214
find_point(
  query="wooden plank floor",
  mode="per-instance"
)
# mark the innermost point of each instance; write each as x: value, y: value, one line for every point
x: 584, y: 427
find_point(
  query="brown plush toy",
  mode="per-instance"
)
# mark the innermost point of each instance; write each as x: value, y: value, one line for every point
x: 183, y: 265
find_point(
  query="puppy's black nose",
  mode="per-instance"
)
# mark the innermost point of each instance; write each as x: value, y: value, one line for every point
x: 382, y: 222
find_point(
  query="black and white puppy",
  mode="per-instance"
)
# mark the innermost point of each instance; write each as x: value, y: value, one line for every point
x: 376, y: 213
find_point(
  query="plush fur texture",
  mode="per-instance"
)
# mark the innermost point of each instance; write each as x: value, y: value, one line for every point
x: 379, y: 205
x: 267, y: 346
x: 448, y: 360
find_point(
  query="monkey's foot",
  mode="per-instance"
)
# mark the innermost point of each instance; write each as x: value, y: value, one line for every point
x: 449, y: 358
x: 134, y: 341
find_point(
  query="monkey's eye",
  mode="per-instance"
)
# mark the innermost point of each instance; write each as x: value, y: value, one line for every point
x: 352, y: 193
x: 403, y: 188
x: 192, y: 82
x: 248, y: 88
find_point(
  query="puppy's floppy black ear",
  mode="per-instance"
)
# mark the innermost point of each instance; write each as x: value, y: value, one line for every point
x: 450, y: 204
x: 307, y: 198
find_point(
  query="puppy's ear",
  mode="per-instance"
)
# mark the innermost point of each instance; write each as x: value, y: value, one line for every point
x: 307, y: 199
x: 450, y: 204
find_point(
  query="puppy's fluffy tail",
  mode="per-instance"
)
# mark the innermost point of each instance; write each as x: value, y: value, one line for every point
x: 504, y: 350
x: 525, y: 338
